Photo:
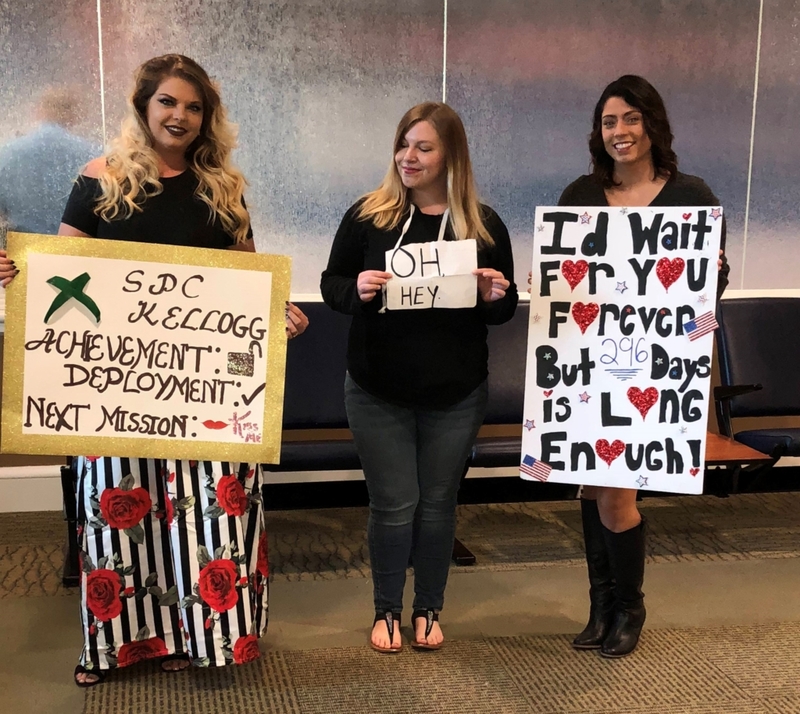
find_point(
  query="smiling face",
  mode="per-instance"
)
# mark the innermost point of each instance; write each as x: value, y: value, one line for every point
x: 420, y: 159
x: 174, y: 116
x: 624, y: 135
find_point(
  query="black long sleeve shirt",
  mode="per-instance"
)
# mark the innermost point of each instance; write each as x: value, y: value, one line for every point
x: 428, y: 358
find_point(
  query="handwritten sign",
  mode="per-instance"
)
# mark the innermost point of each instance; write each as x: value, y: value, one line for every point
x: 619, y: 346
x: 436, y: 274
x: 139, y: 350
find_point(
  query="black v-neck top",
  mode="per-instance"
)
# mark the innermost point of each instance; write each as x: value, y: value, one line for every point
x: 176, y: 216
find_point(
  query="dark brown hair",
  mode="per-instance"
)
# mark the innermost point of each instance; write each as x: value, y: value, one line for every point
x: 640, y: 94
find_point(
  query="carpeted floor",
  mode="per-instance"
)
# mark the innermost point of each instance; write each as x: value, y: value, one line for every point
x: 741, y: 669
x: 331, y: 543
x: 681, y: 671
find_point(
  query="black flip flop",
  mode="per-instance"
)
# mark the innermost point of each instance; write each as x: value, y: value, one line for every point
x: 392, y: 620
x: 430, y: 616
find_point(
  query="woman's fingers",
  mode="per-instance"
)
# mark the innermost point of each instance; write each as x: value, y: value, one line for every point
x: 370, y: 282
x: 492, y: 284
x: 8, y: 270
x: 296, y: 320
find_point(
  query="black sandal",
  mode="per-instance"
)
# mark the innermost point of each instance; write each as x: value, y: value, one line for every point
x: 392, y: 620
x: 430, y: 616
x: 99, y: 673
x: 174, y: 658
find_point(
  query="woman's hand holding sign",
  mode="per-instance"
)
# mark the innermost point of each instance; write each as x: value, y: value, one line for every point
x: 370, y: 282
x: 7, y: 269
x: 296, y: 321
x: 491, y: 284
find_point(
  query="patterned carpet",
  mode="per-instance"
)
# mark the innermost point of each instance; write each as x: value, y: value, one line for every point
x: 331, y: 543
x: 752, y: 669
x: 732, y: 670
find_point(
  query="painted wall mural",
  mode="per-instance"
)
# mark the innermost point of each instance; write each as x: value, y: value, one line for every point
x: 318, y: 87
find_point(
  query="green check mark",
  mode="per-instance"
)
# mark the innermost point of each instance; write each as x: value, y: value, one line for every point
x: 70, y: 289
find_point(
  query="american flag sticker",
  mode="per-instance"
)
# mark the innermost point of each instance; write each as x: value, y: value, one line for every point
x: 531, y: 468
x: 700, y: 326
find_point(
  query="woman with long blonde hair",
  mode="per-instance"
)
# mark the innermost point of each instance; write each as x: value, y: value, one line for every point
x: 416, y: 390
x: 157, y: 579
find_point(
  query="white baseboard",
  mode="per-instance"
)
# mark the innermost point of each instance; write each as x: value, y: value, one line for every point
x: 30, y: 488
x: 38, y: 488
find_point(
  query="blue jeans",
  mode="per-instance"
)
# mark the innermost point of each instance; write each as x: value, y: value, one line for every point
x: 413, y: 460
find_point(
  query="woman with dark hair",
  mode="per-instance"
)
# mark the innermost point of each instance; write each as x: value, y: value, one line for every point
x: 416, y: 390
x: 173, y: 552
x: 633, y: 165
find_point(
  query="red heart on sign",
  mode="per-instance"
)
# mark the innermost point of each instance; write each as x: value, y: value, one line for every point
x: 585, y: 315
x: 694, y: 471
x: 608, y: 452
x: 668, y: 271
x: 643, y: 400
x: 574, y: 272
x: 548, y: 392
x: 687, y: 216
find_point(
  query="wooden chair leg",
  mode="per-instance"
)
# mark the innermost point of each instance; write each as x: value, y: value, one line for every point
x: 71, y: 574
x: 461, y: 554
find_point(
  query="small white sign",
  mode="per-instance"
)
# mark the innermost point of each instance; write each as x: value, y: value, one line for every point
x: 432, y: 275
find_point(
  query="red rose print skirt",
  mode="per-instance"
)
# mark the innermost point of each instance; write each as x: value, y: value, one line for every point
x: 174, y: 560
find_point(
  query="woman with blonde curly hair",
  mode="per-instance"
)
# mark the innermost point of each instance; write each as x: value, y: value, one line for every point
x: 173, y: 552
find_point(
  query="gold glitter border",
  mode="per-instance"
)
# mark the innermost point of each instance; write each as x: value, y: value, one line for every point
x: 21, y: 245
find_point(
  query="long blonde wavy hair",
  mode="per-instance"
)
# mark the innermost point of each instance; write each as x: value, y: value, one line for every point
x: 131, y: 173
x: 387, y: 204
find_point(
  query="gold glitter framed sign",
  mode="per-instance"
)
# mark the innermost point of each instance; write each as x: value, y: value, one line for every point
x: 143, y: 351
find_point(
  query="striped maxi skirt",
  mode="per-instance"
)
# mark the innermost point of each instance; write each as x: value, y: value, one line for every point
x: 174, y: 561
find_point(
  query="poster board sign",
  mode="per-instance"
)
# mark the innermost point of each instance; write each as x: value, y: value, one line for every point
x: 619, y: 346
x: 129, y: 349
x: 437, y: 274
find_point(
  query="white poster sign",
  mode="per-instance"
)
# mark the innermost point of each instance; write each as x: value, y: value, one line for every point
x: 139, y: 350
x: 619, y: 346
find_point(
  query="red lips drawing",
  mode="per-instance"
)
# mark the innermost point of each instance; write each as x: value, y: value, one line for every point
x: 209, y: 424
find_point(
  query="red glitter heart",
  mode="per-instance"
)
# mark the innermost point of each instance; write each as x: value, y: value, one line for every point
x: 608, y: 452
x: 694, y: 471
x: 584, y: 315
x: 668, y: 271
x: 548, y: 392
x: 574, y: 272
x: 643, y: 400
x: 687, y: 216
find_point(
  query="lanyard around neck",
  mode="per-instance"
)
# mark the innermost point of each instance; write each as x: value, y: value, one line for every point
x: 442, y: 228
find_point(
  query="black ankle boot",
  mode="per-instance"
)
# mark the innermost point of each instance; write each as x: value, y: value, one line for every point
x: 601, y: 583
x: 626, y: 557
